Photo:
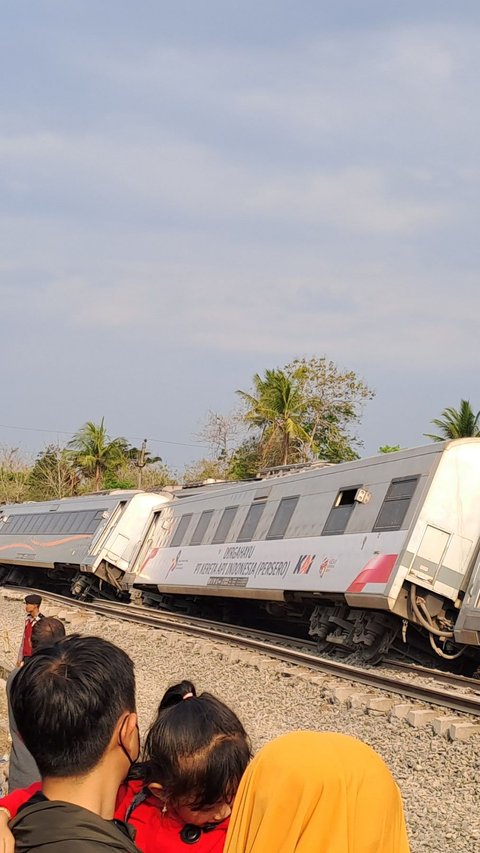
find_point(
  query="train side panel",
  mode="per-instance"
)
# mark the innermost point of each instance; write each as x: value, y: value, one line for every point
x: 329, y: 544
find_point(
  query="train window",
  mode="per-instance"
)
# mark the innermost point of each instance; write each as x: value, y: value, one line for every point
x: 46, y: 523
x: 201, y: 527
x: 397, y: 500
x: 340, y: 512
x: 224, y: 525
x: 182, y: 525
x: 250, y: 524
x: 282, y: 517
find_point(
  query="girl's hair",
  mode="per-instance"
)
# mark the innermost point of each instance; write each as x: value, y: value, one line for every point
x: 197, y: 748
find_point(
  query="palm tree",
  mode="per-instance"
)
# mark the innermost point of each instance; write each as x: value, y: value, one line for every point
x: 278, y: 408
x: 94, y: 452
x: 457, y: 423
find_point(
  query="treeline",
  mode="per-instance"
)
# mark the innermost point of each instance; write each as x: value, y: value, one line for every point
x: 91, y: 461
x: 306, y: 410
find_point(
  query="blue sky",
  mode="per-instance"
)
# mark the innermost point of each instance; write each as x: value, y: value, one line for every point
x: 194, y: 191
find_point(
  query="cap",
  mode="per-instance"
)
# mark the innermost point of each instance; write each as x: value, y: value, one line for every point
x: 33, y: 599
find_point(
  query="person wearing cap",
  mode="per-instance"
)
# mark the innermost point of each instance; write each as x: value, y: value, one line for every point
x: 32, y: 609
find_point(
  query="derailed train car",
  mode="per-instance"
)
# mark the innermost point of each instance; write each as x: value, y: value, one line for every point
x: 367, y: 552
x: 84, y: 544
x: 370, y: 551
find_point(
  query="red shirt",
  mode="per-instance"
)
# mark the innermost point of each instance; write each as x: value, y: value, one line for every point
x: 27, y: 635
x: 155, y: 832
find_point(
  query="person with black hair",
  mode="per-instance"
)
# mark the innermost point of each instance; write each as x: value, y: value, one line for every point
x: 32, y: 609
x: 195, y: 754
x: 74, y: 704
x: 23, y: 768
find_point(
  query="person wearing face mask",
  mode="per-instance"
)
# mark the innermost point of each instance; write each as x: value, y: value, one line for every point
x: 74, y: 704
x: 196, y: 751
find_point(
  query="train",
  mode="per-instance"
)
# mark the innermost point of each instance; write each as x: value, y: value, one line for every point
x: 367, y: 554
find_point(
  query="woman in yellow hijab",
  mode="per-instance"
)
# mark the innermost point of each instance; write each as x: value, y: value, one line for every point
x: 316, y: 792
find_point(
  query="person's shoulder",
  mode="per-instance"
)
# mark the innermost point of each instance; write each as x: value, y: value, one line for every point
x: 10, y: 678
x: 64, y: 827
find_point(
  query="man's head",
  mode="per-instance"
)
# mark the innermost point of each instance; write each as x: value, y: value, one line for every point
x: 46, y: 633
x: 32, y: 604
x: 74, y: 704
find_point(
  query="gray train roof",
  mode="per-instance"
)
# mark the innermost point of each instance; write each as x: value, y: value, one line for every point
x: 98, y: 499
x: 292, y: 474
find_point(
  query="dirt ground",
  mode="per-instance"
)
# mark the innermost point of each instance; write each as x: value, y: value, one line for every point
x: 4, y: 745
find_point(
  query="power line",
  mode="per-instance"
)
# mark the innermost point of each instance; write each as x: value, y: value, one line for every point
x: 135, y: 437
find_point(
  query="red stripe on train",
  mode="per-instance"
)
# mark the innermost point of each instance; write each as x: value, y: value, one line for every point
x: 377, y: 570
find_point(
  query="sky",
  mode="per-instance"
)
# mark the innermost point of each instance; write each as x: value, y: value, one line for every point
x: 192, y: 192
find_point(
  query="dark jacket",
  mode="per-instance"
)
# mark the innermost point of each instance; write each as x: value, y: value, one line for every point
x: 23, y: 770
x: 51, y: 826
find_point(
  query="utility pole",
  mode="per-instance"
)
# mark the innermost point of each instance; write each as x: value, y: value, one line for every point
x: 140, y: 463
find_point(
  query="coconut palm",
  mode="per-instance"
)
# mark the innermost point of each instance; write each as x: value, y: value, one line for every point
x: 278, y: 408
x: 457, y: 423
x: 95, y: 453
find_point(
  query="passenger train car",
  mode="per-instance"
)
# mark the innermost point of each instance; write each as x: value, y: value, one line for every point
x: 86, y: 543
x: 368, y: 550
x: 365, y: 553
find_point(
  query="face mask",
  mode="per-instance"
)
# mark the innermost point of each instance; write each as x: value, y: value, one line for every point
x: 123, y: 747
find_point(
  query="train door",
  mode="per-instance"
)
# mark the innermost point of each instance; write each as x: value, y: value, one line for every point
x: 152, y: 536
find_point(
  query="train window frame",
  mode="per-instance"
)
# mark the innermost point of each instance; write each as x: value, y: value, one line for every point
x: 341, y: 512
x: 225, y: 525
x: 282, y: 517
x: 396, y: 500
x: 81, y: 522
x: 251, y: 521
x: 181, y: 530
x: 201, y: 527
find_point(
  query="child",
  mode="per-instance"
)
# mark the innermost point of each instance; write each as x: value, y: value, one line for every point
x: 194, y: 757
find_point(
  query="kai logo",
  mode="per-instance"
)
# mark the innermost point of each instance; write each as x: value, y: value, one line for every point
x: 304, y: 564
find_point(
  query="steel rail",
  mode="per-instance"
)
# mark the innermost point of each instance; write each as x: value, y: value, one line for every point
x: 463, y: 703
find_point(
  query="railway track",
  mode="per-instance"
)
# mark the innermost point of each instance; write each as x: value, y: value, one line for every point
x: 409, y: 681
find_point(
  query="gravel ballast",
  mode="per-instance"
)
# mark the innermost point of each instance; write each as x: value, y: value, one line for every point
x: 439, y: 780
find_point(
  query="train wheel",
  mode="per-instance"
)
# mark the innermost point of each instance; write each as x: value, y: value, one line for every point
x: 375, y: 653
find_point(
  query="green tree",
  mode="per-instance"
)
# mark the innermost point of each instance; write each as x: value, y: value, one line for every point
x: 278, y: 408
x: 246, y: 460
x: 334, y: 399
x: 52, y: 476
x: 306, y: 410
x: 389, y: 448
x: 14, y: 474
x: 95, y: 454
x: 457, y: 423
x: 203, y: 469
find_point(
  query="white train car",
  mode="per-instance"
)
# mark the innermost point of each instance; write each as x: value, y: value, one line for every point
x: 367, y: 549
x: 87, y: 544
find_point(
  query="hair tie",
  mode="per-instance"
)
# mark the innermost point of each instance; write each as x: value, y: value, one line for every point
x: 188, y: 696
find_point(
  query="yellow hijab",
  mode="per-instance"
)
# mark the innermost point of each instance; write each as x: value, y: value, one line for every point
x: 315, y: 792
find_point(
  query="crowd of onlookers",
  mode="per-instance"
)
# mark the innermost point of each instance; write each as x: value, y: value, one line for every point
x: 79, y: 781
